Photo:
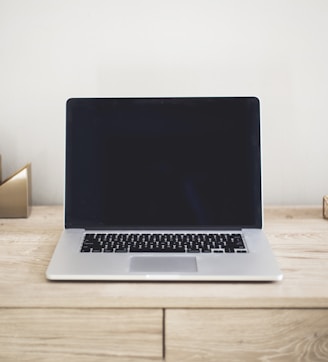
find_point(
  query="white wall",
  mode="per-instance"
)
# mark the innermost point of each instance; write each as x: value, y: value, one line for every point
x: 51, y: 50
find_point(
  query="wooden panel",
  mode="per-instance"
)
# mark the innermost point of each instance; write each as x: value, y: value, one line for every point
x: 246, y: 335
x: 80, y: 335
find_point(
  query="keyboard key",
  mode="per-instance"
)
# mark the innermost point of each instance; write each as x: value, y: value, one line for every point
x: 85, y: 249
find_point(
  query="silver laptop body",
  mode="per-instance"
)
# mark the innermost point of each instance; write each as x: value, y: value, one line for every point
x: 163, y: 189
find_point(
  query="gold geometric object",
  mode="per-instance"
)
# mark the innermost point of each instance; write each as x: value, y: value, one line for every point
x: 15, y: 193
x: 325, y: 207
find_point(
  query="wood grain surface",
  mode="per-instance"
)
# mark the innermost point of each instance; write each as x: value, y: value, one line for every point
x: 80, y: 335
x: 113, y: 321
x: 298, y: 236
x: 247, y: 335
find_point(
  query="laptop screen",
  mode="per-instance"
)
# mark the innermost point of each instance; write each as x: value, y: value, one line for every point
x: 163, y: 163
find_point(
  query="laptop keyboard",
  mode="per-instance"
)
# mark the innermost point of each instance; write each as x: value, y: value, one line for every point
x: 162, y: 243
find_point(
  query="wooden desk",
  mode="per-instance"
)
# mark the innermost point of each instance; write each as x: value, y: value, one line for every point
x: 111, y: 321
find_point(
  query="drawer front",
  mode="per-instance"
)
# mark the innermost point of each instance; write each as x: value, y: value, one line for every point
x: 246, y: 335
x: 81, y: 335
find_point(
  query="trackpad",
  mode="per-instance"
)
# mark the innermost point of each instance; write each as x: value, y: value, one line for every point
x: 163, y: 264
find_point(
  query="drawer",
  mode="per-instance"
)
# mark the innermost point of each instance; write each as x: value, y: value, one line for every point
x: 246, y: 335
x: 81, y: 334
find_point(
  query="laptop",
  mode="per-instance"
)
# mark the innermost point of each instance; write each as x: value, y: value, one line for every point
x: 163, y: 189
